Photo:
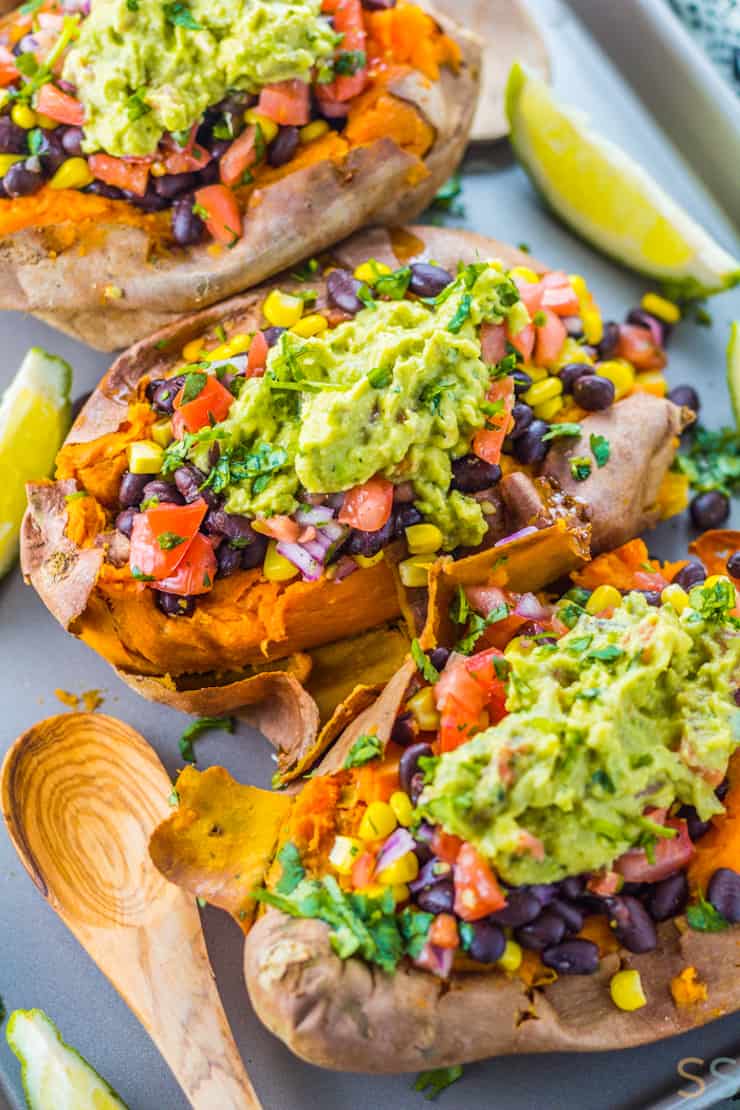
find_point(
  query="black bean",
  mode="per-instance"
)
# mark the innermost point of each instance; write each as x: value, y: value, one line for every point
x: 571, y: 915
x: 722, y: 789
x: 572, y: 372
x: 528, y: 448
x: 283, y: 147
x: 724, y: 893
x: 79, y: 403
x: 229, y: 560
x: 686, y: 397
x: 272, y: 335
x: 653, y: 597
x: 187, y: 228
x: 151, y: 201
x: 404, y: 730
x: 72, y: 141
x: 544, y: 891
x: 471, y: 474
x: 521, y: 907
x: 693, y: 574
x: 709, y: 510
x: 668, y: 897
x: 546, y: 930
x: 522, y: 381
x: 162, y: 393
x: 370, y: 543
x: 645, y: 319
x: 159, y: 490
x: 188, y: 480
x: 51, y: 152
x: 733, y: 565
x: 174, y: 606
x: 573, y: 886
x: 404, y: 516
x: 235, y: 527
x: 408, y: 765
x: 696, y: 827
x: 253, y: 555
x: 100, y: 189
x: 523, y: 417
x: 378, y: 5
x: 609, y: 339
x: 439, y: 898
x: 631, y: 923
x: 125, y: 521
x: 572, y: 957
x: 23, y: 180
x: 422, y: 852
x: 341, y: 291
x: 427, y: 280
x: 487, y: 942
x: 13, y: 138
x: 131, y: 489
x: 171, y: 185
x: 217, y: 148
x: 438, y: 657
x: 593, y: 393
x: 211, y: 174
x: 417, y: 786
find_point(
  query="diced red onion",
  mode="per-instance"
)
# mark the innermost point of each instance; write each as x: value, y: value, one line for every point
x: 398, y: 844
x: 345, y: 567
x: 335, y: 532
x: 516, y: 535
x: 317, y: 547
x: 528, y: 606
x: 239, y: 362
x: 433, y: 871
x: 295, y: 553
x: 318, y: 515
x: 435, y: 959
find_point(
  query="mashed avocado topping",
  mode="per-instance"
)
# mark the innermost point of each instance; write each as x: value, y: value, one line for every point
x: 619, y: 716
x: 399, y: 390
x: 143, y: 67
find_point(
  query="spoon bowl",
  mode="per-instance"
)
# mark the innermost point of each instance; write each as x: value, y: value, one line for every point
x: 81, y: 795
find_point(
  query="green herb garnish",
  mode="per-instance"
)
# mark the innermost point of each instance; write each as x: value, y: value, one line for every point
x: 136, y: 106
x: 461, y: 315
x: 580, y: 467
x: 600, y: 449
x: 196, y: 729
x: 140, y: 576
x: 180, y: 15
x: 380, y: 377
x: 477, y: 626
x: 195, y: 383
x: 558, y: 431
x: 607, y: 654
x: 395, y: 285
x: 349, y: 62
x: 423, y: 663
x: 293, y: 871
x: 705, y: 918
x: 168, y: 541
x: 432, y: 1083
x: 365, y: 748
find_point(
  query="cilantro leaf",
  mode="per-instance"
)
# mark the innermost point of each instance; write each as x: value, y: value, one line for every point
x: 462, y: 314
x: 380, y: 377
x: 365, y: 748
x: 607, y: 654
x: 293, y: 871
x: 580, y: 467
x: 705, y: 918
x: 602, y: 779
x: 423, y: 663
x: 558, y: 431
x: 136, y: 106
x: 140, y: 576
x: 477, y: 626
x: 168, y: 541
x: 180, y: 15
x: 432, y: 1083
x: 712, y: 462
x: 196, y: 729
x: 348, y: 62
x: 195, y: 383
x: 600, y: 449
x: 460, y: 606
x: 364, y: 294
x: 714, y: 602
x: 395, y: 285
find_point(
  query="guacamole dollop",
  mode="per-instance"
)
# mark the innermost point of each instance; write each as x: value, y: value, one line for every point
x: 399, y: 390
x: 143, y: 67
x: 620, y: 715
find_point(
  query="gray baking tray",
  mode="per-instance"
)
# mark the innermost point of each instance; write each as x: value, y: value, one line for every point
x: 40, y: 962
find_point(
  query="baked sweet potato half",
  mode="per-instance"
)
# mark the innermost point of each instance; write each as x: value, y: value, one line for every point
x: 278, y: 473
x: 528, y: 843
x: 233, y: 141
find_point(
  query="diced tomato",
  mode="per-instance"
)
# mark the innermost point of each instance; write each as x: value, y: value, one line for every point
x: 670, y: 855
x: 223, y: 218
x: 646, y: 580
x: 211, y: 406
x: 550, y: 338
x: 184, y: 159
x: 155, y: 550
x: 58, y: 105
x: 349, y: 22
x: 523, y: 341
x: 530, y: 293
x: 287, y: 103
x: 465, y: 688
x: 562, y: 300
x: 131, y: 176
x: 257, y: 358
x: 8, y: 69
x: 604, y: 882
x: 554, y: 279
x: 196, y: 571
x: 363, y: 870
x: 239, y: 157
x: 445, y: 845
x: 484, y: 599
x: 492, y: 343
x: 282, y: 528
x: 477, y: 892
x: 368, y: 507
x: 637, y: 346
x: 444, y: 932
x: 487, y: 442
x: 482, y: 667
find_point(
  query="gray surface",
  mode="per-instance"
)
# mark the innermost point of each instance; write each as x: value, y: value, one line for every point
x: 42, y: 965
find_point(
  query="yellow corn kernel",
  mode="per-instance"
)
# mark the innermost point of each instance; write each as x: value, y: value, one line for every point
x: 414, y: 571
x: 525, y: 274
x: 593, y: 326
x: 276, y: 567
x: 237, y: 345
x: 8, y: 160
x: 370, y: 271
x: 423, y: 539
x: 673, y: 495
x: 112, y: 292
x: 404, y: 870
x: 193, y: 351
x: 511, y: 958
x: 162, y: 432
x: 626, y: 990
x: 267, y: 126
x: 578, y: 285
x: 537, y: 373
x: 400, y: 892
x: 401, y: 805
x: 675, y: 596
x: 652, y: 381
x: 716, y: 579
x: 369, y: 560
x: 661, y: 307
x: 313, y: 324
x: 543, y: 391
x: 24, y: 116
x: 620, y: 372
x: 344, y: 852
x: 603, y: 597
x: 281, y: 309
x: 571, y: 351
x: 378, y: 821
x: 158, y: 169
x: 423, y: 707
x: 145, y: 457
x: 72, y: 174
x: 548, y: 409
x: 313, y: 130
x: 46, y: 122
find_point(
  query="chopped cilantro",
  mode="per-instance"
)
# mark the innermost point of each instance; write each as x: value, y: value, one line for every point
x: 380, y: 377
x: 446, y: 201
x: 557, y: 431
x: 460, y: 606
x: 132, y: 5
x: 35, y: 140
x: 365, y: 295
x: 169, y: 540
x: 432, y: 1083
x: 607, y: 654
x: 201, y: 212
x: 713, y: 603
x: 365, y: 748
x: 524, y: 248
x: 579, y: 644
x: 307, y: 271
x: 180, y: 15
x: 348, y: 62
x: 423, y: 663
x: 580, y: 467
x: 712, y: 461
x: 293, y: 871
x: 195, y: 383
x: 136, y: 106
x: 477, y: 626
x: 395, y: 285
x: 140, y: 576
x: 461, y: 314
x: 539, y: 319
x: 600, y: 449
x: 705, y: 918
x: 602, y: 779
x: 196, y: 729
x: 76, y: 496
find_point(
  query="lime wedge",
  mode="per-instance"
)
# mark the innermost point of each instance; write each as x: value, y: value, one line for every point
x: 733, y: 369
x: 55, y: 1076
x: 34, y: 417
x: 607, y: 198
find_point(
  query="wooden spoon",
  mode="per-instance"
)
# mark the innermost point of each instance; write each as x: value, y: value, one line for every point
x: 81, y: 795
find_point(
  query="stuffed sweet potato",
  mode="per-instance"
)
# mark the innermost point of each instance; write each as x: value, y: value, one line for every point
x: 279, y: 472
x: 158, y: 158
x: 528, y: 843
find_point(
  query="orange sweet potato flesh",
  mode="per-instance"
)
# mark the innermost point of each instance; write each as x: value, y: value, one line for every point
x: 714, y: 548
x: 720, y: 847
